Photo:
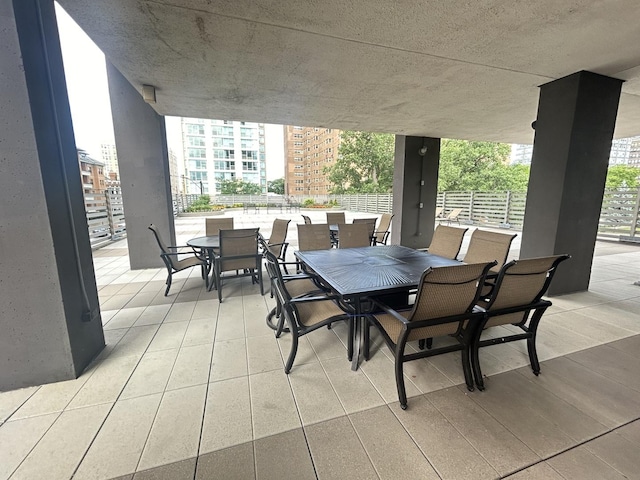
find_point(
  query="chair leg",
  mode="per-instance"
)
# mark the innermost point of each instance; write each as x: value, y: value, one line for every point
x: 219, y: 285
x: 402, y: 393
x: 367, y: 339
x: 533, y: 355
x: 475, y: 364
x: 350, y: 339
x: 466, y: 368
x: 292, y: 354
x: 260, y: 280
x: 168, y: 282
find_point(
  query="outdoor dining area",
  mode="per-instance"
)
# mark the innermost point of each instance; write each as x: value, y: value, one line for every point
x: 193, y: 387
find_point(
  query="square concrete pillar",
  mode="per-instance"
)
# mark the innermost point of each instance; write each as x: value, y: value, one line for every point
x: 50, y: 327
x: 574, y: 130
x: 415, y: 190
x: 143, y: 161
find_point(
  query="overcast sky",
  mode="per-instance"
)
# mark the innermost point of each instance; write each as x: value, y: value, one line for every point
x: 86, y: 74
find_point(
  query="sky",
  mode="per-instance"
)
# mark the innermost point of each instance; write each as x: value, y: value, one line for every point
x: 86, y: 74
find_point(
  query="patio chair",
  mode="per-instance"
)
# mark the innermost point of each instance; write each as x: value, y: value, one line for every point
x: 354, y: 235
x: 307, y: 220
x: 306, y: 312
x: 446, y: 241
x: 382, y: 232
x: 314, y: 237
x: 239, y: 252
x: 299, y: 284
x: 214, y: 225
x: 444, y: 306
x: 335, y: 218
x: 170, y: 257
x: 438, y: 213
x: 371, y: 222
x: 516, y: 300
x: 485, y: 246
x: 277, y: 239
x: 452, y: 216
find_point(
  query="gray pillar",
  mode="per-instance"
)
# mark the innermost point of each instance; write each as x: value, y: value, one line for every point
x: 143, y: 161
x: 415, y: 190
x: 50, y: 326
x: 574, y: 129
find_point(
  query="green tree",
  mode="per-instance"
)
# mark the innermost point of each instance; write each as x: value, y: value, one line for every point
x: 239, y: 187
x: 621, y: 176
x: 364, y: 165
x: 276, y: 186
x: 480, y: 166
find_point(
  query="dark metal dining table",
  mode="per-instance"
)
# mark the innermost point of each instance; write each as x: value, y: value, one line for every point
x: 357, y: 274
x: 208, y: 244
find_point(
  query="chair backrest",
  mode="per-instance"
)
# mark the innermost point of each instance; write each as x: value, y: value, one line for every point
x: 164, y: 250
x: 306, y: 219
x: 214, y: 225
x: 354, y: 235
x: 383, y: 227
x: 279, y: 234
x: 371, y: 222
x: 486, y: 246
x: 438, y: 212
x: 454, y: 214
x: 335, y: 218
x: 314, y: 237
x: 447, y: 241
x: 449, y: 291
x: 521, y: 283
x: 238, y: 249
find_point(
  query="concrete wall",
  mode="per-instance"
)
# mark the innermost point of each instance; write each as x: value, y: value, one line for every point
x: 143, y: 160
x: 47, y: 332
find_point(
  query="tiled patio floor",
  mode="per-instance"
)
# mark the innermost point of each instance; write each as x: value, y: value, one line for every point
x: 190, y: 388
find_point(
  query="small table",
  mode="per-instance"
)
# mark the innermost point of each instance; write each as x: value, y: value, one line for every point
x: 359, y: 273
x: 207, y: 244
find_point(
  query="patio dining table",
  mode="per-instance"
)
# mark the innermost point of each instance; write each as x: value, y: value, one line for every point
x: 207, y: 244
x: 358, y: 274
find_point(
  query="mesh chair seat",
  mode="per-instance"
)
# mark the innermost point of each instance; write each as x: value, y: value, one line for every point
x: 301, y: 286
x: 447, y: 241
x: 354, y: 235
x: 186, y: 263
x: 313, y: 313
x: 393, y: 328
x: 239, y: 252
x: 382, y: 232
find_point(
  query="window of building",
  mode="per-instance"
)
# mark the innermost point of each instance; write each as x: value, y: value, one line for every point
x: 297, y: 135
x: 248, y: 132
x: 249, y: 155
x: 224, y: 165
x: 197, y: 164
x: 225, y: 154
x: 223, y: 142
x: 297, y: 159
x: 196, y: 153
x: 298, y: 167
x: 298, y: 144
x: 198, y: 176
x: 195, y: 129
x: 250, y: 166
x: 221, y: 131
x: 248, y: 144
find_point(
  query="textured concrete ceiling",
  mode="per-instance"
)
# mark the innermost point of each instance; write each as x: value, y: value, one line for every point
x: 456, y: 68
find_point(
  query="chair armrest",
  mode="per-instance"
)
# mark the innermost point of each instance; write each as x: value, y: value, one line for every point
x: 314, y: 299
x: 390, y: 311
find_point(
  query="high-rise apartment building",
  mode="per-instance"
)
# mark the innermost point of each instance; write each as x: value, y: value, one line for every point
x: 308, y: 150
x: 110, y: 158
x: 634, y: 152
x: 216, y: 150
x: 91, y: 172
x: 621, y: 152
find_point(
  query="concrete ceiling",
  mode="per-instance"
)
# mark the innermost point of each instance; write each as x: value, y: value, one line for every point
x: 455, y: 69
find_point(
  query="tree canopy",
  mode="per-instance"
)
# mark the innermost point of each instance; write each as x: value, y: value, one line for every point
x: 364, y: 165
x: 621, y: 176
x: 239, y: 187
x: 276, y: 186
x: 479, y: 166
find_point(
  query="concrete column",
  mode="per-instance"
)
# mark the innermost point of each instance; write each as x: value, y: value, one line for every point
x: 574, y: 129
x: 143, y: 161
x: 50, y: 327
x: 415, y: 190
